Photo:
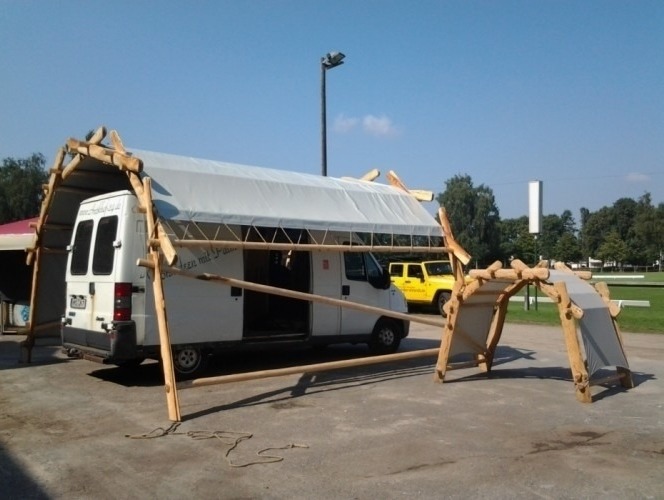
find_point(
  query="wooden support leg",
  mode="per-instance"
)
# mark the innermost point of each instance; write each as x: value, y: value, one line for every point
x: 160, y: 310
x: 446, y: 340
x: 577, y: 365
x: 495, y: 332
x: 625, y: 377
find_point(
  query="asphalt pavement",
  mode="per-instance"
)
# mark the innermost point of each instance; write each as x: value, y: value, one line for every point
x: 74, y: 429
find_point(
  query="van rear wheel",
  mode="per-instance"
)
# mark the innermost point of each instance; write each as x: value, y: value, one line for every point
x: 189, y: 361
x: 386, y: 336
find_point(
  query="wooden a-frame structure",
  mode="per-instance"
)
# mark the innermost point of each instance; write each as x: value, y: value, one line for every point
x: 85, y: 168
x: 94, y: 168
x: 477, y: 311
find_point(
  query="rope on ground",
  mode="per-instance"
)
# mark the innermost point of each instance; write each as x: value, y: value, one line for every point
x: 229, y: 438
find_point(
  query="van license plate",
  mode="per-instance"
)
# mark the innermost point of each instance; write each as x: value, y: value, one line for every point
x: 77, y: 302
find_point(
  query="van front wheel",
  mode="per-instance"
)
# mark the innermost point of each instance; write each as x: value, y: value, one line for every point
x: 189, y: 361
x: 386, y: 337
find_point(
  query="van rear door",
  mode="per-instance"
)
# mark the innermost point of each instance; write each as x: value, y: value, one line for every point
x: 92, y: 284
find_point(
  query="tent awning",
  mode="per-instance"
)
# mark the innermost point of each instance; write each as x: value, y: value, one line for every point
x: 192, y: 189
x: 17, y: 235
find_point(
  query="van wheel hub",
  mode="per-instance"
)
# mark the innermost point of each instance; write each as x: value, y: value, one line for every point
x: 188, y: 361
x: 386, y: 337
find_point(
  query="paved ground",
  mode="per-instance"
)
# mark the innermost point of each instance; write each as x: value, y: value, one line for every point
x: 375, y: 432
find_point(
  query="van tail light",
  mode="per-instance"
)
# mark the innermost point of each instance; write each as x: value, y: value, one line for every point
x: 122, y: 302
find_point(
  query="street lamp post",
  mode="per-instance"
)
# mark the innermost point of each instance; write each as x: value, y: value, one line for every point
x: 329, y: 61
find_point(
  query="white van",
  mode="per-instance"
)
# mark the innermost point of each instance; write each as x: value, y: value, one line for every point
x: 110, y: 317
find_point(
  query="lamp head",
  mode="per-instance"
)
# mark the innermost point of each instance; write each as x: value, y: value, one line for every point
x: 332, y: 59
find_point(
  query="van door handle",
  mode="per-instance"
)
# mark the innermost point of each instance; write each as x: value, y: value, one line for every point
x: 345, y: 289
x: 91, y: 288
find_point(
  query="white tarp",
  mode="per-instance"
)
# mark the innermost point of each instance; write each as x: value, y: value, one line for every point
x: 600, y: 338
x: 192, y: 189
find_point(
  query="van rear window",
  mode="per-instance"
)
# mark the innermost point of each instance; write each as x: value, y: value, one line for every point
x: 102, y: 262
x: 81, y: 251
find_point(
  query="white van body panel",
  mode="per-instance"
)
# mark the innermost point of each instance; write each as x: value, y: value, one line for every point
x: 200, y: 311
x: 326, y: 269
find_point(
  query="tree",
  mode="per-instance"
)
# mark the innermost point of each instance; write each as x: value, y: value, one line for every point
x: 648, y: 233
x: 637, y: 223
x: 21, y: 187
x: 613, y: 249
x: 595, y: 228
x: 567, y: 249
x: 516, y: 240
x: 473, y: 216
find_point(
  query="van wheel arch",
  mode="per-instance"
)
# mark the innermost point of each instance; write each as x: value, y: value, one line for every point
x: 386, y: 336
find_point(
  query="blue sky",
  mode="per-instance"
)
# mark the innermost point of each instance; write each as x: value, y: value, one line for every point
x: 567, y: 92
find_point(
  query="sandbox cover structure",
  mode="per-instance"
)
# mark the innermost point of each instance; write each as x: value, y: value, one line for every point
x: 476, y: 315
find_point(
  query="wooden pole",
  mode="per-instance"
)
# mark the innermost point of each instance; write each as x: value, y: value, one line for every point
x: 257, y: 287
x: 312, y: 368
x: 446, y: 342
x: 307, y: 247
x: 160, y: 310
x: 579, y: 372
x: 35, y: 254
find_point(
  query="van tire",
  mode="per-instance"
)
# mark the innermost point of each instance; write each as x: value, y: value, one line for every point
x: 189, y: 362
x: 442, y: 298
x: 386, y: 336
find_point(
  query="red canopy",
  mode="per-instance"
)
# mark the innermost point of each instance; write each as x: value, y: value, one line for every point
x: 17, y: 235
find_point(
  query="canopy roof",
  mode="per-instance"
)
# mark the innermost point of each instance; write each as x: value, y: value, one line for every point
x: 17, y: 235
x: 191, y: 189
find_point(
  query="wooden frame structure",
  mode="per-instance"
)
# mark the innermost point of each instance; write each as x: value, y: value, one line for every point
x: 162, y: 256
x: 487, y: 295
x: 477, y: 311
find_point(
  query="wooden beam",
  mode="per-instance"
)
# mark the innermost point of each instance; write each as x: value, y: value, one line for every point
x: 419, y: 194
x: 309, y: 247
x: 257, y: 287
x: 371, y: 175
x: 166, y: 246
x: 603, y: 290
x: 450, y: 242
x: 525, y: 272
x: 311, y: 368
x: 584, y: 275
x: 98, y: 136
x: 71, y: 166
x: 160, y: 310
x: 510, y: 274
x: 574, y: 354
x: 117, y: 142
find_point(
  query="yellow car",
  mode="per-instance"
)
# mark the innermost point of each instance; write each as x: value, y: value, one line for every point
x: 424, y: 283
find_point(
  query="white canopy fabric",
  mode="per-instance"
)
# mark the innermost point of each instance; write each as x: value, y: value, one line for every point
x: 191, y: 189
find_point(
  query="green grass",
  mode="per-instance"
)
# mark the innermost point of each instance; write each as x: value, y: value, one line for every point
x: 631, y: 319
